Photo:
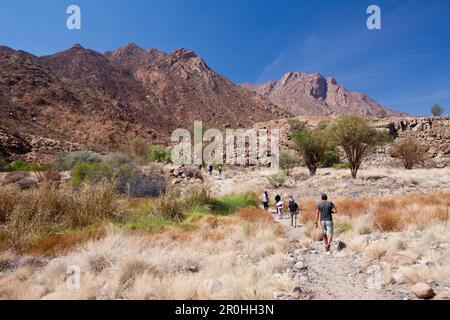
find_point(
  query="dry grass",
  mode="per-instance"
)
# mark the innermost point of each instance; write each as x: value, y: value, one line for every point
x: 224, y: 258
x: 386, y: 214
x: 419, y: 255
x: 29, y: 214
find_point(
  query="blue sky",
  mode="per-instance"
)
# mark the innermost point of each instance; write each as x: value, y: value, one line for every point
x: 405, y: 65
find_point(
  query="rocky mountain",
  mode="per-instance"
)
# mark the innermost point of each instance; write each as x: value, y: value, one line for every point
x: 311, y: 94
x: 86, y: 97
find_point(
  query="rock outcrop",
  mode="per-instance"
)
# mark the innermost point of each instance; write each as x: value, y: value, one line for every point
x: 311, y: 94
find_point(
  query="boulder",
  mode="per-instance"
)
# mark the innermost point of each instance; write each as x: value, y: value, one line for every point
x: 423, y: 291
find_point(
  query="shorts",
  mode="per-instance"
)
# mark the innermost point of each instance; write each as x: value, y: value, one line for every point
x: 327, y: 227
x: 266, y: 205
x: 295, y: 213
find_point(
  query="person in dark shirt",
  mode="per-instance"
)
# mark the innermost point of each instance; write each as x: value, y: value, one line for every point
x: 325, y: 211
x: 294, y: 211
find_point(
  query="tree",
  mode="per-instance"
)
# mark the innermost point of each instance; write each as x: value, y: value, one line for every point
x: 437, y: 110
x: 411, y: 152
x: 311, y: 145
x: 288, y: 161
x: 356, y: 137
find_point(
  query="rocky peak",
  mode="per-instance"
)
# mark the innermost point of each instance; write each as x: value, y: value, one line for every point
x: 128, y: 50
x: 184, y: 54
x: 311, y: 94
x: 77, y: 46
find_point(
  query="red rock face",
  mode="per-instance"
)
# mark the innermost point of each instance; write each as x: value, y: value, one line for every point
x: 311, y: 94
x: 83, y: 96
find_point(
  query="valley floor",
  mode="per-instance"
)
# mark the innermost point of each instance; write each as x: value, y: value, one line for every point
x: 392, y: 233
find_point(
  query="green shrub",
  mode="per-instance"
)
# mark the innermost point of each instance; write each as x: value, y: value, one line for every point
x: 277, y: 180
x: 69, y: 160
x: 341, y: 166
x: 233, y: 203
x: 92, y: 173
x: 23, y: 166
x: 329, y: 159
x: 158, y: 153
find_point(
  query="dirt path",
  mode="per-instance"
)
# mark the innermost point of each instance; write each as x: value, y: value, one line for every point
x: 331, y: 277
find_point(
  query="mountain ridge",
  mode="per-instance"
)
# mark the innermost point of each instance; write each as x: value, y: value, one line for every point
x: 305, y: 94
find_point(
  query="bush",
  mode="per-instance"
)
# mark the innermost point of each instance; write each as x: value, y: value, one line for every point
x: 410, y: 152
x: 437, y: 110
x: 158, y: 153
x: 169, y: 206
x: 133, y: 183
x: 232, y: 203
x: 288, y: 161
x: 296, y: 125
x: 341, y: 166
x: 140, y: 147
x: 23, y: 166
x: 277, y: 180
x: 116, y: 159
x: 92, y: 173
x: 329, y: 159
x: 69, y: 160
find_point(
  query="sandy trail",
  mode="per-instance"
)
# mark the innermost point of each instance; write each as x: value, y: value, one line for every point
x: 332, y: 277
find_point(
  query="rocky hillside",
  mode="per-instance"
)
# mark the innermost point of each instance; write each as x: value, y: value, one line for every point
x: 86, y: 97
x: 311, y: 94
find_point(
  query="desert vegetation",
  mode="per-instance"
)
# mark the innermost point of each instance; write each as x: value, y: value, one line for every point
x: 410, y: 152
x: 223, y: 258
x: 437, y: 110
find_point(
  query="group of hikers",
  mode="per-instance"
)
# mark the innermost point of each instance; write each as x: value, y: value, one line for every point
x: 324, y: 214
x: 210, y: 169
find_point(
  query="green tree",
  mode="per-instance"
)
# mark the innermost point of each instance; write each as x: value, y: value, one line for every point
x: 288, y: 161
x: 437, y: 110
x: 357, y: 138
x: 311, y: 145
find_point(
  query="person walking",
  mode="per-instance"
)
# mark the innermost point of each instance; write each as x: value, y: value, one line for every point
x: 210, y: 169
x: 325, y: 211
x: 280, y: 209
x: 294, y: 211
x: 277, y: 200
x: 265, y: 200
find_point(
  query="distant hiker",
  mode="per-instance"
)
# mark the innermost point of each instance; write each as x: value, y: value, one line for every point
x: 277, y: 199
x: 280, y: 208
x: 265, y: 200
x: 220, y: 170
x: 294, y: 211
x: 325, y: 211
x: 210, y: 169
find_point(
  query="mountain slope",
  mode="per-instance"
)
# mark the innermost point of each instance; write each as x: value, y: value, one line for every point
x: 311, y: 94
x: 83, y: 96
